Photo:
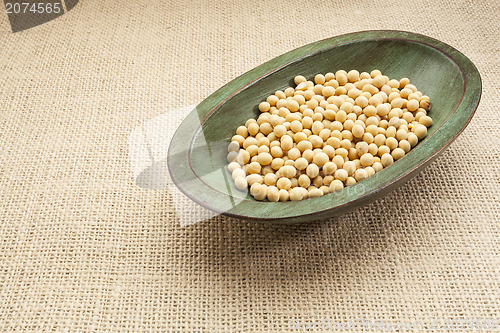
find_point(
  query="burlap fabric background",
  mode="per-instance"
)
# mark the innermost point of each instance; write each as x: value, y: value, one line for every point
x: 82, y: 248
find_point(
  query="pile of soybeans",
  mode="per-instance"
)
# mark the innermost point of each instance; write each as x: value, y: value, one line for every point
x: 327, y: 134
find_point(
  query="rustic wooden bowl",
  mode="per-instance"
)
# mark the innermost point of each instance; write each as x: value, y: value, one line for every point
x: 197, y: 154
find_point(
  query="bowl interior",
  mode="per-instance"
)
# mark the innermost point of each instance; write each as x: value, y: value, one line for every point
x: 434, y: 74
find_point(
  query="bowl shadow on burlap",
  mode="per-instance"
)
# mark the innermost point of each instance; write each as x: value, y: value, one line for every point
x: 355, y: 243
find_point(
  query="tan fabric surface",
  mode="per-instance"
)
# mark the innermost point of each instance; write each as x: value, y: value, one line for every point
x: 83, y: 249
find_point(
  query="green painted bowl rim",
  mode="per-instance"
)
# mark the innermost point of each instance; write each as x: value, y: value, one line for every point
x: 199, y: 191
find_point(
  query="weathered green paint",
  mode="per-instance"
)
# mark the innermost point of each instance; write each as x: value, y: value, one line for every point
x: 197, y: 153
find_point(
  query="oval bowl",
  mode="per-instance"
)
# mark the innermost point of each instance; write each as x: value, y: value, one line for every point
x: 197, y: 154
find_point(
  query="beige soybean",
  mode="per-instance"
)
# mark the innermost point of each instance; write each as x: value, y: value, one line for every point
x: 377, y: 166
x: 329, y: 168
x: 299, y: 136
x: 318, y: 181
x: 286, y: 142
x: 233, y: 166
x: 284, y: 195
x: 373, y: 149
x: 312, y: 170
x: 276, y: 151
x: 258, y: 191
x: 338, y: 160
x: 420, y: 131
x: 387, y: 160
x: 254, y: 178
x: 425, y: 104
x: 263, y: 149
x: 270, y: 179
x: 426, y: 121
x: 360, y: 175
x: 231, y: 157
x: 241, y: 183
x: 341, y: 174
x: 316, y: 141
x: 264, y: 158
x: 288, y: 171
x: 412, y: 139
x: 350, y: 167
x: 243, y: 157
x: 252, y: 150
x: 383, y: 150
x: 284, y: 183
x: 358, y: 131
x: 238, y: 138
x: 238, y: 173
x: 304, y: 181
x: 397, y: 153
x: 405, y: 145
x: 296, y: 194
x: 254, y: 167
x: 308, y: 155
x: 320, y: 159
x: 325, y: 189
x: 273, y: 194
x: 350, y: 181
x: 315, y: 192
x: 336, y: 185
x: 366, y: 159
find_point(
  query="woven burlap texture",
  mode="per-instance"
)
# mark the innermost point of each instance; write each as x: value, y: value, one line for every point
x: 83, y: 249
